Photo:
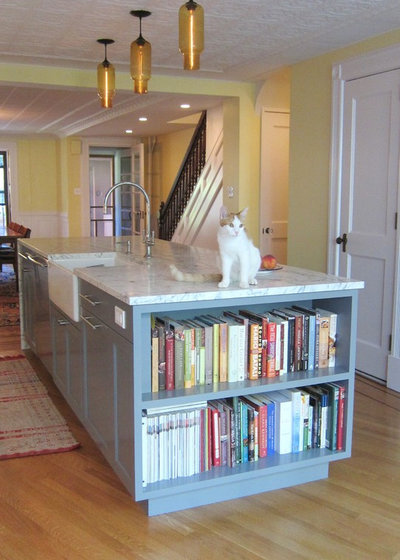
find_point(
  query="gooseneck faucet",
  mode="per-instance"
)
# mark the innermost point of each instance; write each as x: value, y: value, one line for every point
x: 147, y: 235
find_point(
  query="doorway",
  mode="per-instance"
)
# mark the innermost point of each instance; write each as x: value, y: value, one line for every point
x: 274, y: 180
x: 364, y: 207
x: 5, y: 207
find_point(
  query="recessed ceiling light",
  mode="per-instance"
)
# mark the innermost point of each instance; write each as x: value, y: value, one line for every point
x: 185, y: 106
x: 128, y: 131
x: 143, y: 119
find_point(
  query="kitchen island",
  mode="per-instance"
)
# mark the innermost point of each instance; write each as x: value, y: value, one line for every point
x: 102, y: 362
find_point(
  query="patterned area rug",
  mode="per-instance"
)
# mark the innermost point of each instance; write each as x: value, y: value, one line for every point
x: 9, y: 301
x: 30, y: 423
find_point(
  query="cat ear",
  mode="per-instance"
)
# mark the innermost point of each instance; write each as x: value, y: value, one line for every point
x: 223, y: 213
x: 243, y: 213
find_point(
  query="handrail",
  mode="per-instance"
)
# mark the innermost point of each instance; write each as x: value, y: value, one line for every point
x: 186, y: 179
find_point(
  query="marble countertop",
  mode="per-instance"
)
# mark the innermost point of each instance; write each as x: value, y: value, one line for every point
x: 136, y: 280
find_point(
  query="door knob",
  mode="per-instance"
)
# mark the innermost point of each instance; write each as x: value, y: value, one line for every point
x: 342, y: 241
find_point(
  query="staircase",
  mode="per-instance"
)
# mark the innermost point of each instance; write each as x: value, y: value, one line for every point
x: 203, y: 197
x: 194, y: 191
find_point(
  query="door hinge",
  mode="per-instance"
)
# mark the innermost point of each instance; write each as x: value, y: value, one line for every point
x: 390, y: 343
x: 395, y: 220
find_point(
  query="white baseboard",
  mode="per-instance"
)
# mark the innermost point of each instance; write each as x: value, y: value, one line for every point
x: 393, y: 373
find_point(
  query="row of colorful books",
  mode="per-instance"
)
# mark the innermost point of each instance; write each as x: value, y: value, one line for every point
x: 186, y: 440
x: 236, y: 346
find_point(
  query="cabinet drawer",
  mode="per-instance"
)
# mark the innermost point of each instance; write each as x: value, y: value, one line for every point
x: 113, y: 312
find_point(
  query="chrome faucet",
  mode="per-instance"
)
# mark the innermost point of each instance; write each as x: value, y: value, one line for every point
x: 147, y: 235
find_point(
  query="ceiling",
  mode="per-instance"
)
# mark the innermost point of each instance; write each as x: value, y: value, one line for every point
x: 244, y: 41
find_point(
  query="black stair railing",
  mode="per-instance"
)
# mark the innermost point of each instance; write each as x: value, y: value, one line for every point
x: 171, y: 211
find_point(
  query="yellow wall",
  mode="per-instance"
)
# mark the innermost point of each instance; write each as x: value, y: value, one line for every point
x: 38, y: 175
x: 310, y: 144
x: 168, y: 154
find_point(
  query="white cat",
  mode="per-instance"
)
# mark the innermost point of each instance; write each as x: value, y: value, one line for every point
x: 240, y: 259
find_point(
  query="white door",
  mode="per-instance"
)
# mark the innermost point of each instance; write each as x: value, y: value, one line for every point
x: 137, y: 163
x: 101, y: 177
x: 274, y: 175
x: 370, y: 162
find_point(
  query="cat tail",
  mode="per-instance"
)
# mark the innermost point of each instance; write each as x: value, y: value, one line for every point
x: 193, y: 276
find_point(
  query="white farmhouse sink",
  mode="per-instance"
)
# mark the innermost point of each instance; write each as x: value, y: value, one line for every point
x: 63, y: 283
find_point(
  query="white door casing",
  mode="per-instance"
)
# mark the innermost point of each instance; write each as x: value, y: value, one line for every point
x: 364, y: 202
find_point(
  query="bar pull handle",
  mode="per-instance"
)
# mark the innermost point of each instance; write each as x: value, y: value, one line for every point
x: 87, y: 320
x: 90, y: 299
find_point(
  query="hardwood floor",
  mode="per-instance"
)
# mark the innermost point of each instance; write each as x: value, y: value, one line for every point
x: 72, y: 506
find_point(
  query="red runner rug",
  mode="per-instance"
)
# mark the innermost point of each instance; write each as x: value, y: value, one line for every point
x: 30, y: 424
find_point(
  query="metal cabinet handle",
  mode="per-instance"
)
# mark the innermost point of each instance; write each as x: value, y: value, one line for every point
x: 63, y: 322
x: 93, y: 326
x: 42, y: 263
x: 89, y: 299
x: 22, y: 255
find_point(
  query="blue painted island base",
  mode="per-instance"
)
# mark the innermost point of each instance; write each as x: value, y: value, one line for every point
x: 227, y: 491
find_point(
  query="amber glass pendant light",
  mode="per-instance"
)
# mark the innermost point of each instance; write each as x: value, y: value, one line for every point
x: 140, y: 57
x: 191, y: 34
x: 106, y: 77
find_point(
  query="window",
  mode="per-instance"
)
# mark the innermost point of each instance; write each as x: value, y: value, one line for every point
x: 4, y: 198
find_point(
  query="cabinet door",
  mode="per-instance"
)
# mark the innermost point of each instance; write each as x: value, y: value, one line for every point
x: 109, y: 393
x: 68, y: 359
x: 28, y: 302
x: 60, y: 344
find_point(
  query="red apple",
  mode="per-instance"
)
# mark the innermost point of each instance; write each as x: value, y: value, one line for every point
x: 268, y: 262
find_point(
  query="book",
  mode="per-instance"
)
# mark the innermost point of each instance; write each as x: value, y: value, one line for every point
x: 179, y: 353
x: 333, y: 408
x: 254, y: 344
x: 257, y: 345
x: 297, y: 424
x: 261, y: 408
x: 282, y: 345
x: 223, y: 432
x: 341, y: 415
x: 290, y: 338
x: 154, y: 359
x: 305, y: 440
x: 233, y: 353
x: 244, y: 431
x: 332, y: 336
x: 213, y: 322
x: 283, y: 422
x: 298, y: 337
x: 208, y: 343
x: 189, y: 362
x: 169, y: 357
x: 237, y: 429
x: 159, y: 325
x: 243, y: 342
x: 200, y: 352
x: 323, y: 347
x: 321, y: 395
x: 312, y: 323
x: 251, y: 430
x: 216, y: 435
x: 223, y: 352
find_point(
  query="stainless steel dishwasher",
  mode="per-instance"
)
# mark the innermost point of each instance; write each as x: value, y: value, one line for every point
x: 35, y: 310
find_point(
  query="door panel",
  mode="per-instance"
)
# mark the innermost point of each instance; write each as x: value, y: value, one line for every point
x: 274, y: 184
x: 369, y: 201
